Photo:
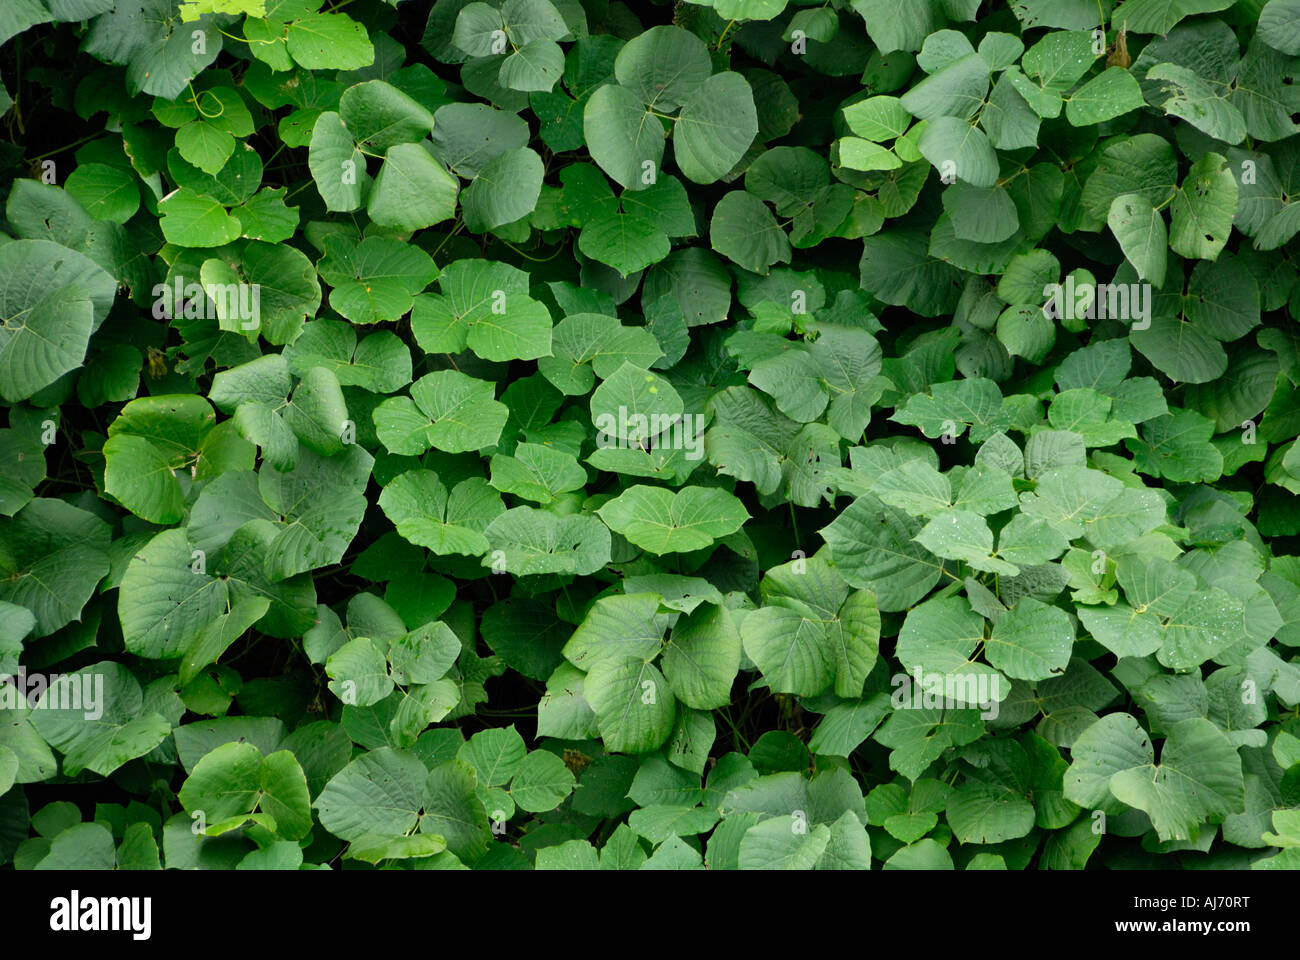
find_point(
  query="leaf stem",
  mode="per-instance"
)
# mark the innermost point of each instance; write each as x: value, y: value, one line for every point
x: 70, y: 146
x: 725, y: 31
x: 459, y: 224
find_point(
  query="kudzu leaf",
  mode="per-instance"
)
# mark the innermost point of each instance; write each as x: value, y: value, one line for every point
x: 744, y: 231
x: 627, y: 243
x: 447, y: 410
x: 1140, y: 230
x: 633, y: 703
x: 329, y: 41
x: 505, y: 190
x: 337, y: 165
x: 537, y: 473
x: 525, y: 541
x: 122, y: 731
x: 1110, y: 94
x: 412, y: 190
x: 379, y: 115
x: 1203, y: 208
x: 716, y: 125
x: 663, y: 522
x: 956, y: 148
x: 624, y: 138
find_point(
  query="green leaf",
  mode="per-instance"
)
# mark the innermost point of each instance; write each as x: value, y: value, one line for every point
x: 337, y: 166
x: 783, y: 843
x: 617, y: 626
x: 634, y: 704
x: 374, y: 849
x: 378, y: 116
x: 963, y: 535
x: 627, y: 243
x: 284, y: 795
x: 634, y: 405
x: 466, y: 136
x: 664, y: 66
x: 1203, y: 209
x: 1110, y: 94
x: 51, y: 300
x: 1158, y: 16
x: 484, y: 306
x: 524, y: 541
x: 265, y: 216
x: 981, y: 214
x: 1140, y: 230
x: 877, y: 118
x: 193, y: 220
x: 873, y: 547
x: 958, y: 149
x: 358, y: 673
x: 625, y: 139
x: 425, y: 654
x: 541, y: 783
x: 329, y: 41
x: 1186, y: 95
x: 140, y: 476
x: 584, y: 343
x: 379, y: 362
x: 220, y: 634
x: 1176, y: 446
x: 956, y: 90
x: 494, y: 755
x: 96, y: 717
x: 716, y: 125
x: 447, y: 410
x: 106, y: 193
x: 1143, y: 164
x: 53, y: 557
x: 505, y: 190
x: 949, y: 407
x: 940, y: 637
x: 702, y: 657
x: 85, y: 846
x: 205, y: 145
x: 159, y: 50
x: 379, y: 794
x: 1279, y: 26
x: 849, y: 360
x: 1032, y: 642
x: 537, y: 473
x: 1198, y: 776
x: 789, y: 644
x: 793, y: 380
x: 412, y: 190
x: 858, y: 154
x: 1008, y: 118
x: 1059, y: 59
x: 8, y: 768
x: 663, y: 522
x: 166, y: 600
x: 744, y: 231
x: 536, y: 65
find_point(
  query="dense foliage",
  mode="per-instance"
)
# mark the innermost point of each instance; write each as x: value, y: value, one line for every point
x: 570, y: 433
